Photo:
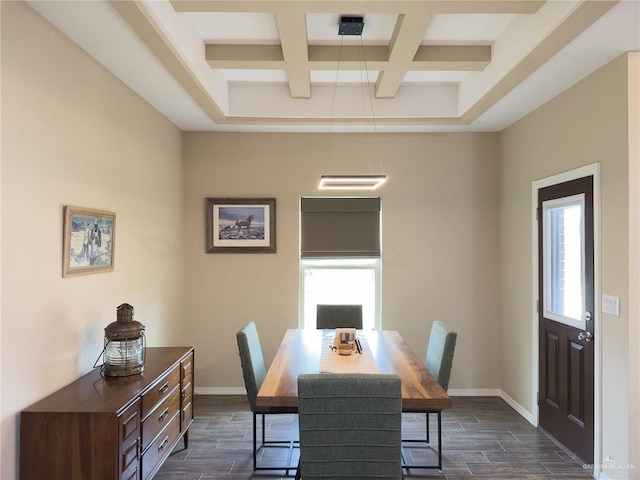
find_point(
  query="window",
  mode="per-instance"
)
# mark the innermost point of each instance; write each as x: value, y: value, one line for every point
x: 564, y: 253
x: 340, y: 281
x: 340, y: 256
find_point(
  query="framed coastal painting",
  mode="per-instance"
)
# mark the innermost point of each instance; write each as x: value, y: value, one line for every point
x: 241, y: 225
x: 89, y: 241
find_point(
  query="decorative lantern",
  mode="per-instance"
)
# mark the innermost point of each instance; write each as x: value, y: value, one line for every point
x: 124, y: 345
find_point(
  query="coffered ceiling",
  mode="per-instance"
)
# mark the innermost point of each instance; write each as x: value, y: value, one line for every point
x: 280, y: 65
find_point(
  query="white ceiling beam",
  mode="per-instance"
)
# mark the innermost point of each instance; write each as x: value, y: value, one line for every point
x: 325, y: 57
x: 347, y: 54
x: 292, y: 28
x: 405, y: 41
x: 368, y: 6
x: 268, y: 57
x: 414, y: 18
x: 576, y: 23
x: 451, y: 58
x: 143, y: 24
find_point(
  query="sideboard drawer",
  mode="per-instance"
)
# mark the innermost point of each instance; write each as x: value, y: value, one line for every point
x: 160, y: 390
x: 130, y: 424
x: 187, y: 414
x: 132, y: 475
x: 187, y: 391
x: 160, y: 447
x: 129, y: 442
x: 160, y: 417
x: 187, y: 369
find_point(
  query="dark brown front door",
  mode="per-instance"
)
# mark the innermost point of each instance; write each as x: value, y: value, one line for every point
x: 566, y: 324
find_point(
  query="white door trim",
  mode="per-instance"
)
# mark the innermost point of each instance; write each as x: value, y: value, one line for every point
x: 588, y: 170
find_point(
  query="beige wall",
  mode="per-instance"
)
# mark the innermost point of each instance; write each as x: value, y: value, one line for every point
x: 456, y: 229
x: 440, y: 232
x: 1, y: 449
x: 634, y: 259
x: 73, y: 134
x: 586, y: 124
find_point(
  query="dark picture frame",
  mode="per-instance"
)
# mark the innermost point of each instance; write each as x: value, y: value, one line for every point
x: 89, y: 241
x: 241, y: 225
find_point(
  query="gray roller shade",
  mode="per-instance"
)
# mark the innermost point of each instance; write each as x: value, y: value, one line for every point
x: 340, y: 227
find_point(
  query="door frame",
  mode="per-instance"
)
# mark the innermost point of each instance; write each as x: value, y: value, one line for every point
x: 585, y: 171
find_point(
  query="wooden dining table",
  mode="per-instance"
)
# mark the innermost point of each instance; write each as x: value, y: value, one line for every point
x: 383, y: 351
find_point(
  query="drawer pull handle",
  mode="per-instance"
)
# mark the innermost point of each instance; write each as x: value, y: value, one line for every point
x: 163, y: 415
x: 163, y: 388
x: 163, y: 444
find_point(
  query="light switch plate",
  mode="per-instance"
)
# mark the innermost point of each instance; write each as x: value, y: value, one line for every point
x: 611, y: 305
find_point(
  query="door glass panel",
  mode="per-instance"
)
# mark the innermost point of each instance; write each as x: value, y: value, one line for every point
x: 564, y: 257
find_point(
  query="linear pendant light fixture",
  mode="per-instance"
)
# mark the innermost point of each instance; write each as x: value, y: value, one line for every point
x: 351, y: 182
x: 352, y: 26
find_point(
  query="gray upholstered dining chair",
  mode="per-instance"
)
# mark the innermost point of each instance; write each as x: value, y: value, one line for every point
x: 254, y: 372
x: 439, y: 360
x: 350, y: 426
x: 339, y: 316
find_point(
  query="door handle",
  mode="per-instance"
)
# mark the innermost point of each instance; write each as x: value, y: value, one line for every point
x: 586, y: 336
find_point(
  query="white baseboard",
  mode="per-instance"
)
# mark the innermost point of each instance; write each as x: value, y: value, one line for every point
x: 488, y: 392
x: 524, y: 413
x: 474, y: 392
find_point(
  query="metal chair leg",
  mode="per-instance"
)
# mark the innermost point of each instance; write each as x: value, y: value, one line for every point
x: 427, y: 427
x: 254, y: 443
x: 439, y: 440
x: 290, y: 444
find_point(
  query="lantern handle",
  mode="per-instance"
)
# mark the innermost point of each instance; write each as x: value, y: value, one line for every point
x: 95, y: 364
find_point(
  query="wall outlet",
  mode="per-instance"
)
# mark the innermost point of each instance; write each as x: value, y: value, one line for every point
x: 611, y: 305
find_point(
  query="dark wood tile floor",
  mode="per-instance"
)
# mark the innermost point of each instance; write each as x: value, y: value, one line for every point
x: 483, y: 438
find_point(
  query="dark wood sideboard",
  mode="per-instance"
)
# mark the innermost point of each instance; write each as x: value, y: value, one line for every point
x: 111, y: 428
